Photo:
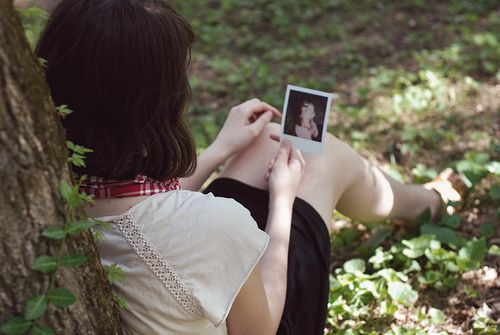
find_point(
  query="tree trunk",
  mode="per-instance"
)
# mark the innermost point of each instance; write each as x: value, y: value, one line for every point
x: 33, y: 161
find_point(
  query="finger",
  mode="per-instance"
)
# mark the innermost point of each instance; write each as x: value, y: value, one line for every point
x: 258, y: 107
x: 261, y: 122
x: 271, y: 163
x: 297, y: 156
x: 284, y: 153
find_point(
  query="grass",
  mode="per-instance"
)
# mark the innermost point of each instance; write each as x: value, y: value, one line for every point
x: 417, y: 89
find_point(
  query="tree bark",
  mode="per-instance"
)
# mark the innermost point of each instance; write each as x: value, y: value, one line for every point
x: 33, y: 161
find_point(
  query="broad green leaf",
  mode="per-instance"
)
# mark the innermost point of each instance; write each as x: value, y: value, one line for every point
x: 370, y: 287
x: 452, y: 266
x: 494, y: 250
x: 35, y: 307
x: 69, y: 193
x: 495, y: 192
x: 474, y: 250
x: 487, y: 229
x: 443, y: 234
x: 16, y: 326
x: 65, y: 189
x: 416, y: 246
x: 45, y: 264
x: 413, y: 253
x: 452, y: 221
x: 493, y: 167
x: 425, y: 217
x: 420, y: 242
x: 354, y: 266
x: 54, y: 232
x: 380, y: 258
x: 378, y: 236
x: 402, y: 293
x: 41, y: 330
x: 350, y: 235
x: 478, y: 157
x: 114, y: 273
x: 436, y: 316
x: 64, y: 111
x: 61, y: 297
x: 423, y: 174
x: 73, y: 261
x: 79, y: 226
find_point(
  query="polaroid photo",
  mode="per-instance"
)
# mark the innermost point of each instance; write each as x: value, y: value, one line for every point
x: 305, y: 118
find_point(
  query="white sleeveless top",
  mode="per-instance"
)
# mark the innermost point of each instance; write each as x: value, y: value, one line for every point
x: 185, y: 256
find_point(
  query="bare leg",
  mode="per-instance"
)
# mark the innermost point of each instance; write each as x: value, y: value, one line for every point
x: 339, y: 178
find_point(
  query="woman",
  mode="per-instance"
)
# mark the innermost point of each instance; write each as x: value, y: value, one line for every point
x: 195, y: 263
x: 307, y: 128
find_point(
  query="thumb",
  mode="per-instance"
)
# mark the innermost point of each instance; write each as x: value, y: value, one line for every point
x: 284, y: 153
x: 262, y: 121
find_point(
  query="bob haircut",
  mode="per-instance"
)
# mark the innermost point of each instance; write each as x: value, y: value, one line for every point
x: 121, y: 66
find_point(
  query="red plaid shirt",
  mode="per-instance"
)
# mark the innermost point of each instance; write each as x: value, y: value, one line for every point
x: 141, y: 185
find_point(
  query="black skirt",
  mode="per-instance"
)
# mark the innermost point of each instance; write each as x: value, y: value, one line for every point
x: 308, y: 258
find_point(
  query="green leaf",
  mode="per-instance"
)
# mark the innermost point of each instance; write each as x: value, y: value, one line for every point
x: 35, y: 307
x: 16, y: 326
x: 69, y: 193
x: 493, y: 167
x: 354, y: 266
x: 425, y: 216
x: 63, y: 111
x: 478, y: 157
x: 487, y: 229
x: 73, y: 261
x: 436, y: 316
x: 474, y: 250
x: 114, y: 273
x: 45, y: 264
x: 452, y: 221
x: 41, y: 330
x: 104, y: 224
x: 61, y: 297
x: 494, y: 250
x: 443, y: 234
x: 378, y: 236
x: 472, y: 171
x: 54, y: 232
x: 121, y: 303
x: 416, y: 246
x: 79, y: 226
x: 65, y: 189
x: 495, y: 192
x: 402, y: 293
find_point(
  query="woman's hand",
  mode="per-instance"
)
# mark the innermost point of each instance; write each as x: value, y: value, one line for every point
x: 314, y: 129
x: 244, y: 123
x: 285, y: 173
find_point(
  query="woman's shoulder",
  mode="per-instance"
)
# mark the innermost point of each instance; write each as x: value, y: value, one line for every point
x: 182, y: 211
x: 187, y: 202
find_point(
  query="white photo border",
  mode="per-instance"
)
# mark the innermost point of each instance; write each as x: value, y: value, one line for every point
x: 302, y: 144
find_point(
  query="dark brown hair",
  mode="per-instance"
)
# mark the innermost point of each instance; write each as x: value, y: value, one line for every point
x: 121, y: 66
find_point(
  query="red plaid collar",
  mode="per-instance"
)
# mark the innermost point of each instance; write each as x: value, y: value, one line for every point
x: 141, y: 185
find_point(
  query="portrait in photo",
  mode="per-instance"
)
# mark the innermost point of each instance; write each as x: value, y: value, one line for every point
x: 305, y: 117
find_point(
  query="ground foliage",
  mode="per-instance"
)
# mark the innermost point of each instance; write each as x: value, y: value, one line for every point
x: 417, y: 89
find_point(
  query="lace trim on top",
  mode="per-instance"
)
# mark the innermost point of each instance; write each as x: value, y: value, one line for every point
x: 157, y: 264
